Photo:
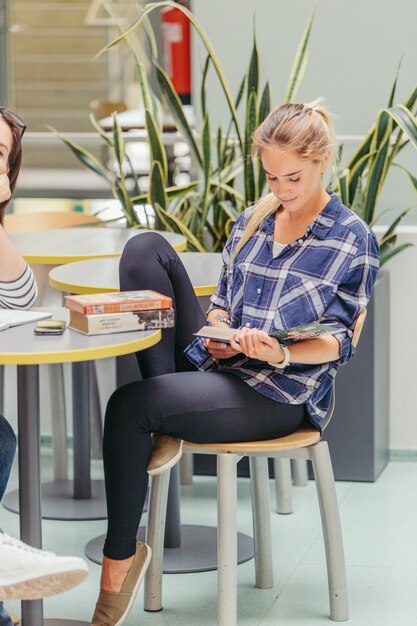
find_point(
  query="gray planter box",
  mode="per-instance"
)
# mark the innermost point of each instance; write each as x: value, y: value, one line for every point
x: 359, y: 430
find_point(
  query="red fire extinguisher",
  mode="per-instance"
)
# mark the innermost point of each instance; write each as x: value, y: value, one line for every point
x: 175, y: 28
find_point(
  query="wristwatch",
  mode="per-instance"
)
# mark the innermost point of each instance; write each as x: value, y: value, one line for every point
x: 222, y: 318
x: 283, y: 363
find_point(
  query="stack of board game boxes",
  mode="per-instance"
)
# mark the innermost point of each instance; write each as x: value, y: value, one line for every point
x: 117, y: 312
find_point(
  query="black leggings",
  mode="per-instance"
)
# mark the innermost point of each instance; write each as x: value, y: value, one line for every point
x: 173, y: 398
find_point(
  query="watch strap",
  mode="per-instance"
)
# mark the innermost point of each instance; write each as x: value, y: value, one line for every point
x: 286, y: 360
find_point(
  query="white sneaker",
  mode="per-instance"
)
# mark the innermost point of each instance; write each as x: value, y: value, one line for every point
x: 30, y: 574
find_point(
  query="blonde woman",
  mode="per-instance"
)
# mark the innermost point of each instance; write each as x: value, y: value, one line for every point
x: 297, y: 256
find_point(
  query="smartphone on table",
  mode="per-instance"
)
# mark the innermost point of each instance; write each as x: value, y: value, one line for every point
x: 50, y: 327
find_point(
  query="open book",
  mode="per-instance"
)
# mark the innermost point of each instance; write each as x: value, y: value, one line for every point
x: 11, y: 317
x: 285, y: 337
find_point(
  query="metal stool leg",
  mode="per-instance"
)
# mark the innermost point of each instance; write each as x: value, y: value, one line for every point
x: 332, y: 531
x: 261, y: 514
x: 155, y: 539
x: 299, y: 472
x: 227, y: 539
x: 282, y: 471
x: 187, y: 468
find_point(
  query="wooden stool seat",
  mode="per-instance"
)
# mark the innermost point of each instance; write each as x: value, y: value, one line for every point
x: 300, y: 439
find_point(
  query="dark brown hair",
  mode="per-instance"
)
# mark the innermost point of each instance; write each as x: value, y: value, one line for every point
x: 15, y: 156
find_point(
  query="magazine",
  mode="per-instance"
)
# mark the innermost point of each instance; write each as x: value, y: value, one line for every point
x: 285, y: 337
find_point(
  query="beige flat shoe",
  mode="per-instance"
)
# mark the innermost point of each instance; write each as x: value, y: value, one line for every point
x: 166, y: 451
x: 14, y: 618
x: 113, y: 608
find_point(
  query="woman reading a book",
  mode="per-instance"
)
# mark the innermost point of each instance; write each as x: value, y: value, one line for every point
x: 298, y: 256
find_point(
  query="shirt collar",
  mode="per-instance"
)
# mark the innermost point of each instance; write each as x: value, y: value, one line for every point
x: 320, y: 226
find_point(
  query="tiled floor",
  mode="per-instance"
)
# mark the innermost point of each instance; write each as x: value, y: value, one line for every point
x: 380, y: 533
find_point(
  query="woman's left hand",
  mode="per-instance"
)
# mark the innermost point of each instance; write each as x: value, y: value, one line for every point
x: 257, y: 344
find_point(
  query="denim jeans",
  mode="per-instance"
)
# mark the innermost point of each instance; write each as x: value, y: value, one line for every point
x: 4, y: 617
x: 7, y: 451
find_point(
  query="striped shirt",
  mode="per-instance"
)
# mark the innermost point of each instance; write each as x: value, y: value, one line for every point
x: 325, y: 276
x: 20, y: 293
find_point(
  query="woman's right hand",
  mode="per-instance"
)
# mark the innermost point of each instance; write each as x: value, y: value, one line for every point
x: 5, y: 193
x: 219, y: 349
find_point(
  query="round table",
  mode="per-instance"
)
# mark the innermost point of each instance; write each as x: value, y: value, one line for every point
x: 65, y: 245
x: 21, y: 347
x: 98, y: 275
x: 188, y: 548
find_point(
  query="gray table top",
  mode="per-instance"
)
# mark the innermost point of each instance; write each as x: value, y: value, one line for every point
x: 65, y: 245
x: 20, y: 346
x: 98, y: 275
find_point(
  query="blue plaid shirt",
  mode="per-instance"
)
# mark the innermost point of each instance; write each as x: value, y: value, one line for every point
x: 325, y: 276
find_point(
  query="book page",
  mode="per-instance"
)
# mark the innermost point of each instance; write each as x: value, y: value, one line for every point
x: 217, y: 333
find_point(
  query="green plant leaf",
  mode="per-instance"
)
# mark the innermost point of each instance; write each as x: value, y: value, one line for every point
x: 356, y: 174
x: 119, y: 148
x: 176, y: 109
x: 375, y: 179
x: 394, y: 86
x: 391, y: 230
x: 265, y: 103
x: 364, y: 148
x: 120, y: 193
x: 393, y: 252
x: 264, y: 109
x: 140, y: 72
x: 405, y: 120
x: 156, y: 193
x: 411, y: 177
x: 357, y: 202
x: 300, y: 62
x: 206, y: 145
x: 84, y: 156
x: 175, y: 225
x: 410, y: 101
x: 253, y: 71
x: 203, y: 87
x: 249, y: 174
x: 343, y: 187
x: 105, y: 136
x: 156, y: 145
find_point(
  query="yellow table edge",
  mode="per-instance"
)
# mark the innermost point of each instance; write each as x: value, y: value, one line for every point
x: 57, y: 259
x: 61, y: 285
x: 82, y: 354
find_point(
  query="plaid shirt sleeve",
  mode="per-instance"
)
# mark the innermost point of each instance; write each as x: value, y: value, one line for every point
x: 353, y: 294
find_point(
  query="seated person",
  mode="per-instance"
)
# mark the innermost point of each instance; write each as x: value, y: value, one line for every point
x: 297, y: 256
x: 25, y: 572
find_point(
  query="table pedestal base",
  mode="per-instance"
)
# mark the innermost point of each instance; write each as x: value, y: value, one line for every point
x: 197, y: 553
x: 64, y: 622
x: 58, y: 501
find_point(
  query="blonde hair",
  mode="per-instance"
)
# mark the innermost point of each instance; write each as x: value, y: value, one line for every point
x: 307, y: 130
